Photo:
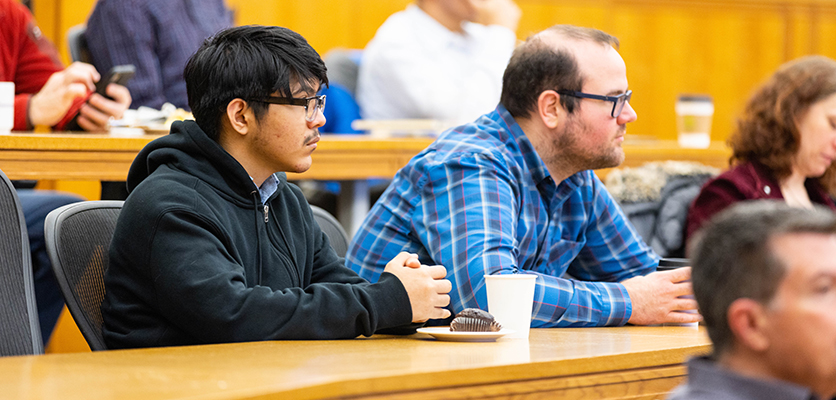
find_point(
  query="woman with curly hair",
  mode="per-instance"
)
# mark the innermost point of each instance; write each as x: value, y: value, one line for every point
x: 784, y: 146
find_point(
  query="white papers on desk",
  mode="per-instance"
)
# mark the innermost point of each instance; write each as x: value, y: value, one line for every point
x: 401, y: 127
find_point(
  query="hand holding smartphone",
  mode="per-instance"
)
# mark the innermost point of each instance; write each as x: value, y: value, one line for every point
x: 119, y: 75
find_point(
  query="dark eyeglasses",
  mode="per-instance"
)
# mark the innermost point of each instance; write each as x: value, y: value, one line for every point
x: 311, y: 104
x: 618, y: 102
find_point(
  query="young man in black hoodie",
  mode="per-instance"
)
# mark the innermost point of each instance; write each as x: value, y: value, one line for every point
x: 213, y: 245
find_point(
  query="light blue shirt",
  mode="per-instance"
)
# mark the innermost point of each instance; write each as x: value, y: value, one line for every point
x: 268, y: 187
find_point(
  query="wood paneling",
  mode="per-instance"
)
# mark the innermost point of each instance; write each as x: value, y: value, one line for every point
x: 687, y: 49
x: 103, y: 157
x: 55, y: 17
x: 66, y: 338
x: 326, y: 24
x: 720, y: 47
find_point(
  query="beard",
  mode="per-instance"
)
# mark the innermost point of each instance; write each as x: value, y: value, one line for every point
x: 570, y: 155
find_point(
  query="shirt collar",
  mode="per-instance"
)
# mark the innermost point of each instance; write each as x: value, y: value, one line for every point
x: 705, y: 374
x: 532, y: 160
x: 268, y: 187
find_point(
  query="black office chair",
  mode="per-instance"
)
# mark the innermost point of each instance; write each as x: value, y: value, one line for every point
x: 77, y: 42
x: 343, y: 67
x: 77, y: 239
x: 333, y: 229
x: 20, y: 331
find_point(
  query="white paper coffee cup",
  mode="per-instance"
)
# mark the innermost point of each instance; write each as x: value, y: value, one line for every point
x: 693, y: 120
x: 7, y: 104
x: 510, y: 300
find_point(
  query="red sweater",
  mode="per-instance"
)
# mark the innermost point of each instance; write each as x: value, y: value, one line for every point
x: 28, y: 59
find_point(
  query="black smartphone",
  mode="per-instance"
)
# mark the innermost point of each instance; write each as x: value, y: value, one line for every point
x: 119, y: 74
x: 667, y: 264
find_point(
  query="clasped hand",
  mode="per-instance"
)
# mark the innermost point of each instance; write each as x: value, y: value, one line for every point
x: 425, y: 285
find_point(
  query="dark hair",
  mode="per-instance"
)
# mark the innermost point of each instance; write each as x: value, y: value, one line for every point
x: 248, y: 62
x: 732, y: 257
x: 538, y: 65
x: 767, y: 132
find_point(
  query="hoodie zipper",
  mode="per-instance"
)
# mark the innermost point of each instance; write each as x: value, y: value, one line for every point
x: 254, y: 193
x: 265, y: 210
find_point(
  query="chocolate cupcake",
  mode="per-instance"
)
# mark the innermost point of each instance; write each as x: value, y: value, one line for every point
x: 474, y: 320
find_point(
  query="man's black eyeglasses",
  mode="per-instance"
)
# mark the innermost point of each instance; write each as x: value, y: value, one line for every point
x: 311, y: 104
x: 618, y: 102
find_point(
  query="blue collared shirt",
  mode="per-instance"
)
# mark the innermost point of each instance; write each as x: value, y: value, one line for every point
x: 268, y: 187
x: 480, y: 200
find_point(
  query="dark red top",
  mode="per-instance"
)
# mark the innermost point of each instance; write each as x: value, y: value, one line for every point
x: 26, y: 57
x: 747, y: 181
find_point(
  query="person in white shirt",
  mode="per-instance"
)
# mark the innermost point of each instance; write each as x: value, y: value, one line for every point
x: 438, y: 59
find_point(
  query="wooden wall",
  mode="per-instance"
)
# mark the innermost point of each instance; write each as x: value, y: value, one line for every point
x: 720, y: 47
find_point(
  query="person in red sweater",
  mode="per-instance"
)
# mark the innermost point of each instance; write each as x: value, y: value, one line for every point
x: 46, y: 94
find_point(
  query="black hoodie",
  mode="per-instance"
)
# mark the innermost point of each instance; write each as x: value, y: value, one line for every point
x: 197, y: 257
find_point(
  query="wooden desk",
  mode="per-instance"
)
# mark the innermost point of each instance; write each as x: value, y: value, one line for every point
x: 338, y: 157
x: 348, y: 158
x: 590, y: 363
x: 639, y: 152
x: 351, y: 159
x: 107, y: 157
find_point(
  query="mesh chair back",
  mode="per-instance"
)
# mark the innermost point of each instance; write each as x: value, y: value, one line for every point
x: 78, y: 238
x: 332, y: 228
x: 20, y: 332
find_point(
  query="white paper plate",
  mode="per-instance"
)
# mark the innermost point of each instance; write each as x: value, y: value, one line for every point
x: 444, y: 333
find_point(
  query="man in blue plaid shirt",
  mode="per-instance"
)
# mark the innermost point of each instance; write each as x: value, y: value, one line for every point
x: 515, y: 190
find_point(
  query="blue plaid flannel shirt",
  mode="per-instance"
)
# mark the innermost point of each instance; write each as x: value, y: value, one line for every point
x: 480, y: 200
